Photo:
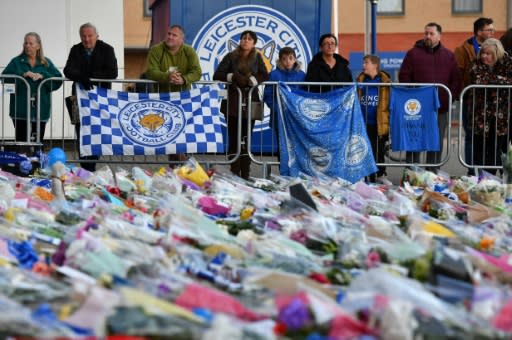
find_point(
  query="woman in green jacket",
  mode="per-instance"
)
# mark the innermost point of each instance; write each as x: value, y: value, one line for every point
x: 34, y: 67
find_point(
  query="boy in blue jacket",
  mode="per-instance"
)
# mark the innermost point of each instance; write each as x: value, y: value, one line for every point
x: 288, y: 69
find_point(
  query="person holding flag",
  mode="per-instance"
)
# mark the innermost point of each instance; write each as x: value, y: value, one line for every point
x: 91, y: 58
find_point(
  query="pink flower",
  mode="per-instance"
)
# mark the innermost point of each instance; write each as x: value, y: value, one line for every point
x: 299, y: 236
x: 372, y: 259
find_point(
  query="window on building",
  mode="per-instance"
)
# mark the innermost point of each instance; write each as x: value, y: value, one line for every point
x: 466, y: 6
x: 390, y: 7
x: 146, y: 9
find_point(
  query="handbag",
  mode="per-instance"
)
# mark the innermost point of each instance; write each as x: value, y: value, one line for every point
x: 257, y: 109
x: 73, y: 111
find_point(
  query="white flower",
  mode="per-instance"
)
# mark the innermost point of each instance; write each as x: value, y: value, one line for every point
x: 245, y: 236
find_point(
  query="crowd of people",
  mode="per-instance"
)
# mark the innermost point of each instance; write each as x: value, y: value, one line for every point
x: 174, y: 65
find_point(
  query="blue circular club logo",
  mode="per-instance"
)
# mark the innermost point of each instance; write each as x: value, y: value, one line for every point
x: 152, y: 123
x: 221, y: 35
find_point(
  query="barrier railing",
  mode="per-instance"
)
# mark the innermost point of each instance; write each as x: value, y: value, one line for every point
x: 392, y: 159
x: 58, y: 135
x: 11, y: 87
x: 262, y: 149
x: 485, y: 123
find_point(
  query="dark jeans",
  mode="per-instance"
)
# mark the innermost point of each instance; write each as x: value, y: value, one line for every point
x: 90, y: 166
x: 469, y: 142
x: 488, y: 150
x: 274, y: 127
x: 433, y: 157
x: 378, y: 144
x: 20, y: 130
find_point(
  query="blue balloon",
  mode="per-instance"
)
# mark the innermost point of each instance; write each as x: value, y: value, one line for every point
x: 203, y: 313
x: 56, y: 155
x: 25, y: 167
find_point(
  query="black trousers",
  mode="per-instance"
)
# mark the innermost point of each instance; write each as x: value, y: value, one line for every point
x: 89, y: 166
x: 242, y: 166
x: 487, y: 150
x: 378, y: 147
x: 20, y: 130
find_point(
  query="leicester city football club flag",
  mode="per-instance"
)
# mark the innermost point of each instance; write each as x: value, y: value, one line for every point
x: 124, y: 123
x: 323, y: 133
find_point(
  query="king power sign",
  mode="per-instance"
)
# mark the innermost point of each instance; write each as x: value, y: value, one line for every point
x: 221, y: 35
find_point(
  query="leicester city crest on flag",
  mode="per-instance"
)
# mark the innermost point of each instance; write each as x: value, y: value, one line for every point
x: 123, y: 123
x: 323, y: 133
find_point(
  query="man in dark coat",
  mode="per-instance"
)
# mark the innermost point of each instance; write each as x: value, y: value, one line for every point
x: 91, y: 58
x: 430, y: 62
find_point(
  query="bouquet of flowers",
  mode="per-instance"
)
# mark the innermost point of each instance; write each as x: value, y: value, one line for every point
x: 488, y: 191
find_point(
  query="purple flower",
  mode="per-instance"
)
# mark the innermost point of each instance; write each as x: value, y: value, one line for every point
x: 295, y: 315
x: 272, y: 224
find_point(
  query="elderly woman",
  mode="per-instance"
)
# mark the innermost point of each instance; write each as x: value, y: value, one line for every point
x: 490, y: 106
x: 244, y: 68
x: 328, y: 66
x: 32, y: 65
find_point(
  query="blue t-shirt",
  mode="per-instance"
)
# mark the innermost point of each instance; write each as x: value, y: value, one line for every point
x: 413, y: 119
x: 370, y: 99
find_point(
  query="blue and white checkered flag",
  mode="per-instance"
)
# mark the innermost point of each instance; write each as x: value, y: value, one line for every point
x: 124, y: 123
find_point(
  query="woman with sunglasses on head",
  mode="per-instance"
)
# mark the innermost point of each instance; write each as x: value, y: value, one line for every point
x: 243, y: 68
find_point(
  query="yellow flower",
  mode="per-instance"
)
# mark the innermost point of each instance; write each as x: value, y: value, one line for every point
x: 487, y: 243
x: 246, y: 213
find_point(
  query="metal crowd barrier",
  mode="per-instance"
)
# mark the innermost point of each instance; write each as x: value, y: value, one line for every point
x: 267, y: 158
x: 10, y: 85
x: 261, y: 141
x: 475, y: 151
x: 61, y: 133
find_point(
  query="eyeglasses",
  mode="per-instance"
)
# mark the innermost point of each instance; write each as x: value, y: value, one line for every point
x: 329, y: 44
x: 491, y: 30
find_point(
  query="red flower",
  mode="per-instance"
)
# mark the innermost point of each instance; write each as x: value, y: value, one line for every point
x: 114, y: 191
x: 318, y: 277
x: 280, y: 328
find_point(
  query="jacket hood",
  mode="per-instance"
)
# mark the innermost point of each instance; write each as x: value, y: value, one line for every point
x: 421, y: 44
x: 339, y: 58
x: 385, y: 77
x: 296, y: 67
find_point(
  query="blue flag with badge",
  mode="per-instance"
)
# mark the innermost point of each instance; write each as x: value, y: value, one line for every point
x: 323, y: 134
x: 125, y: 123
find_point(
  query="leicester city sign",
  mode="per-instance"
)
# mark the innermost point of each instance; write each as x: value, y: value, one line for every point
x: 221, y: 34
